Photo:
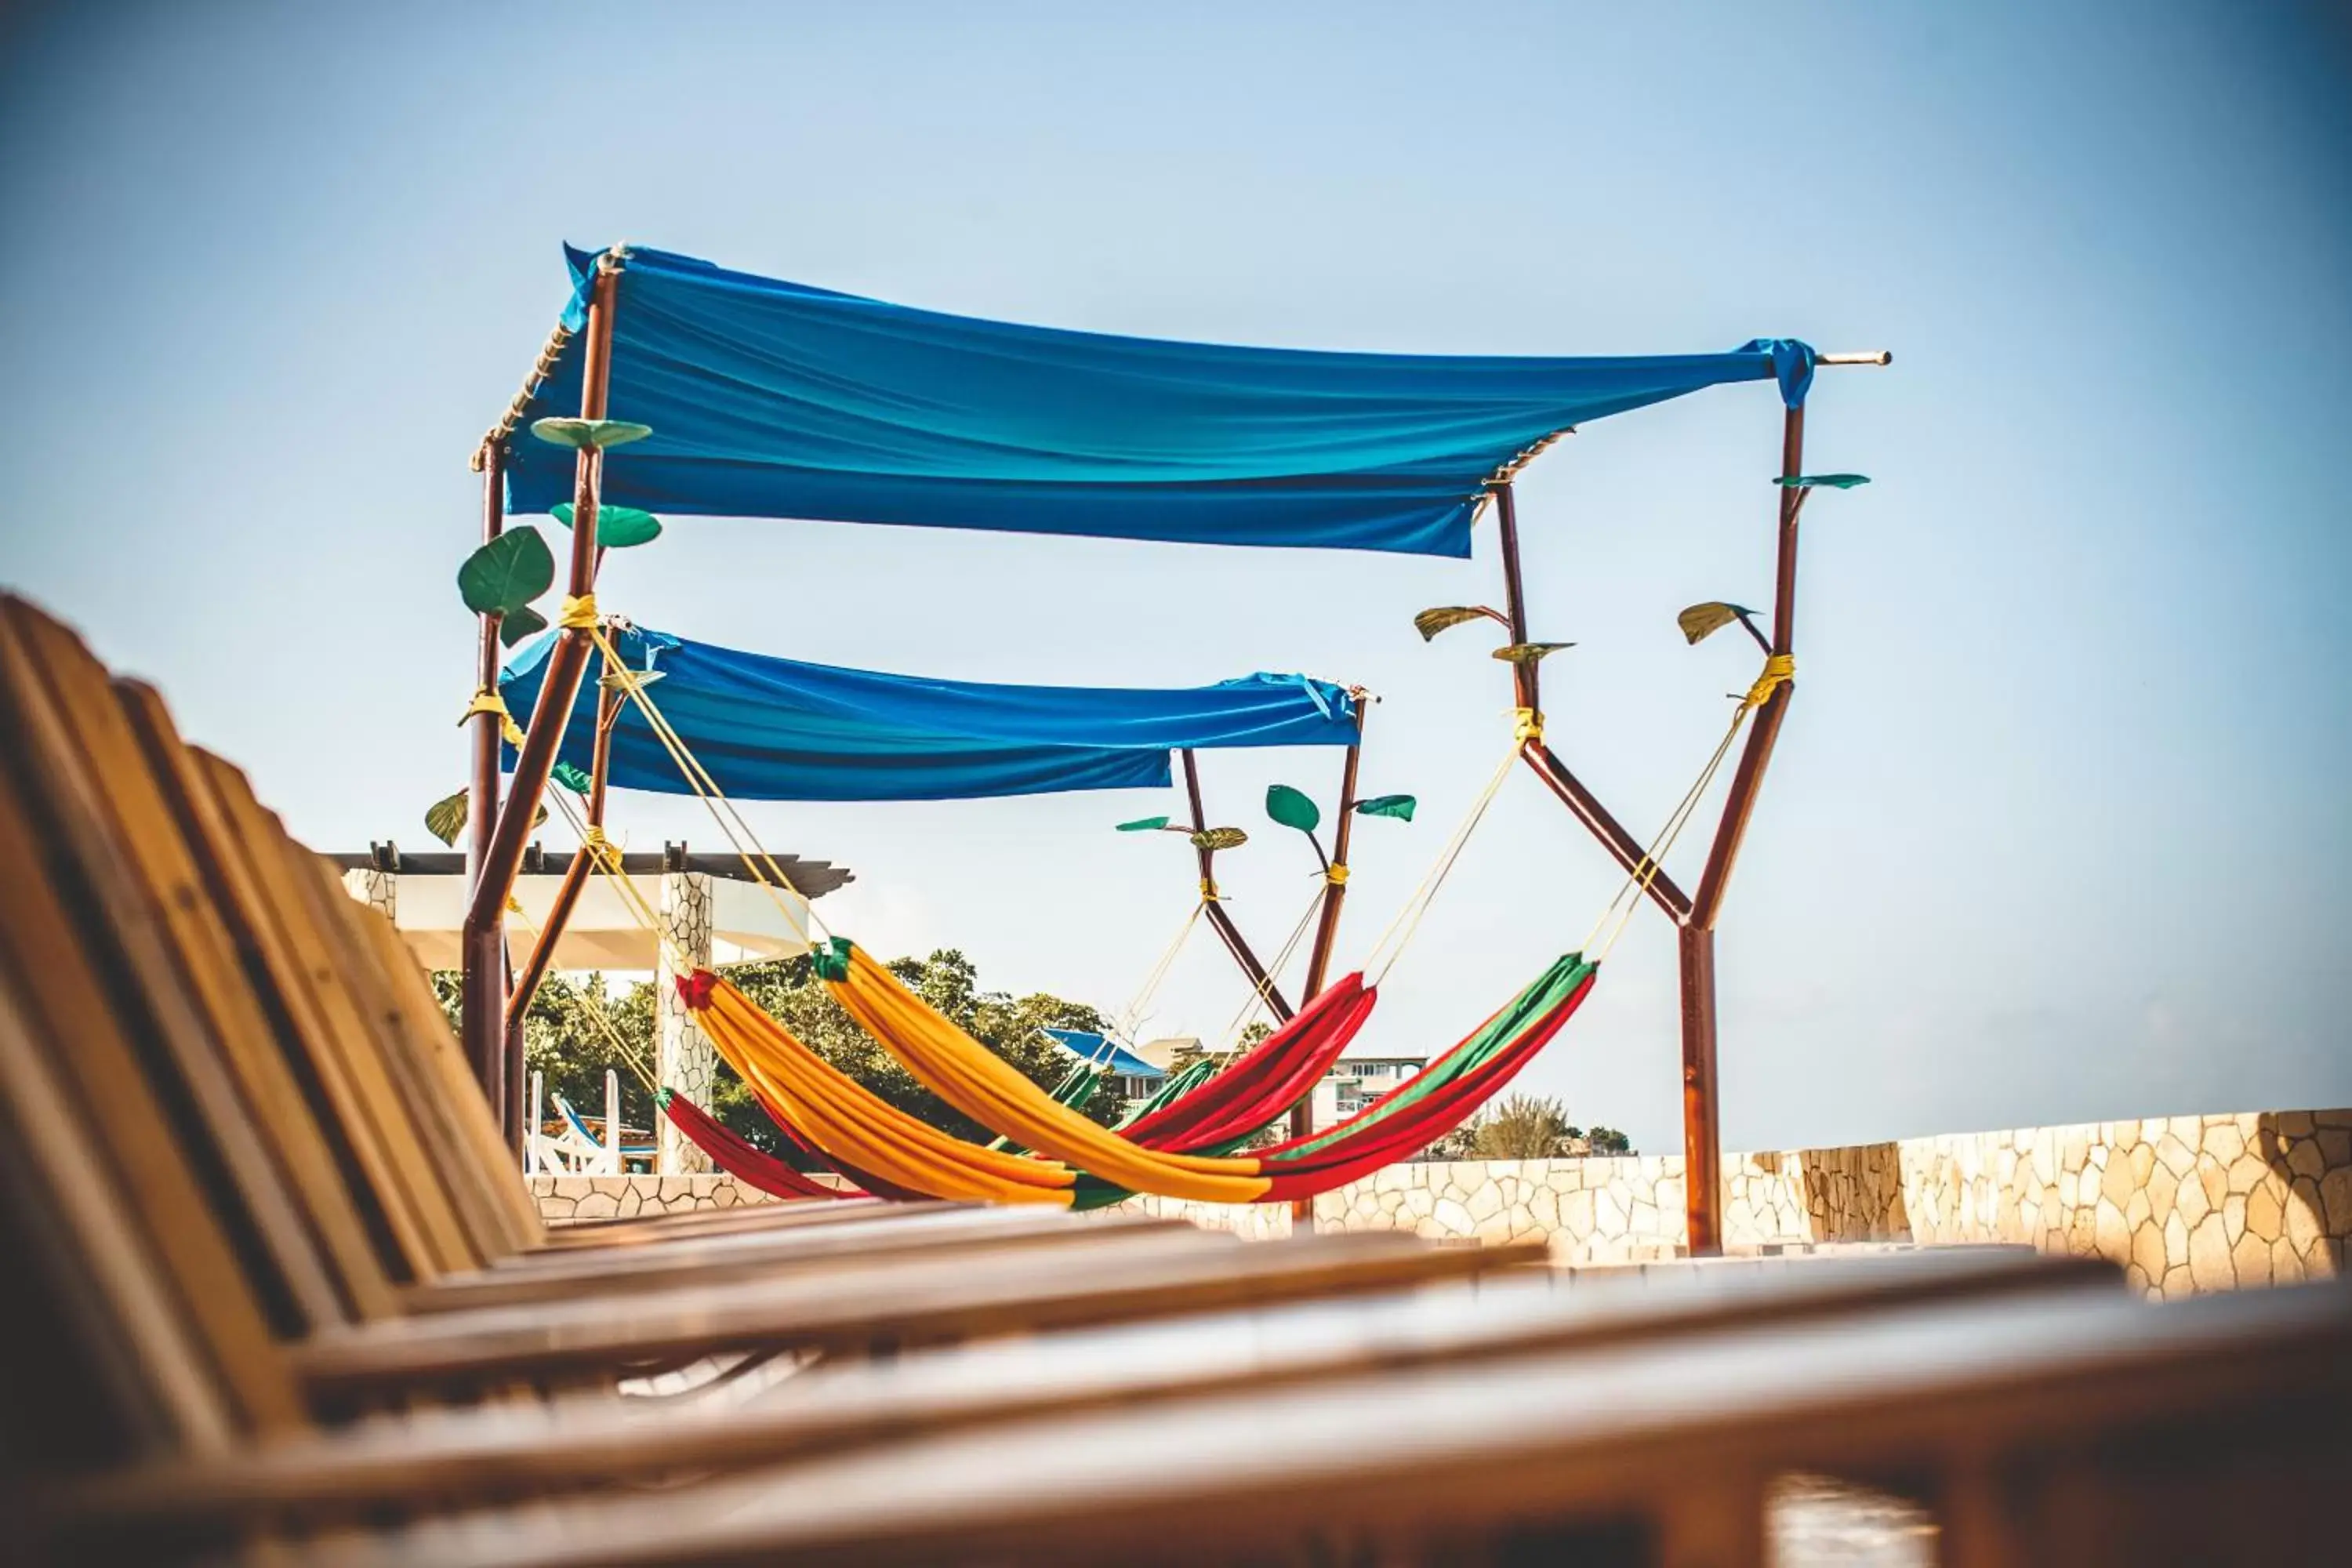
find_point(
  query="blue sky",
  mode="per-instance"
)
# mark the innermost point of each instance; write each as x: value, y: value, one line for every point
x: 2056, y: 830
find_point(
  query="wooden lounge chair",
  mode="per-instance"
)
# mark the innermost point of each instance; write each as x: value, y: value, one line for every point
x: 380, y: 1193
x: 173, y: 1348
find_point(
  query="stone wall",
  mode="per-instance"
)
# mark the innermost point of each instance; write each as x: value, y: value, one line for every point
x: 2182, y: 1204
x: 565, y: 1200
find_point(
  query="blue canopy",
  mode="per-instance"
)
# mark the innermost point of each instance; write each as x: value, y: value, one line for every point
x: 771, y: 399
x: 777, y: 729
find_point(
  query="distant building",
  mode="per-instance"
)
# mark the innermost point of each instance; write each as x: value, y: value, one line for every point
x: 1355, y: 1083
x: 1130, y: 1074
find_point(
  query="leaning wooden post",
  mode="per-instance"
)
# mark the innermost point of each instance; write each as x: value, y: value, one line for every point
x: 1327, y: 931
x: 576, y: 875
x: 1214, y: 908
x: 502, y: 855
x: 482, y: 960
x: 1702, y: 1128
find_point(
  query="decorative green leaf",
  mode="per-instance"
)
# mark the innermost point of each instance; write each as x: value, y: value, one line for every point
x: 1429, y: 623
x: 617, y: 527
x: 507, y: 574
x: 572, y: 778
x: 1144, y: 824
x: 1702, y: 621
x: 1400, y: 806
x: 1822, y: 481
x: 519, y: 624
x: 1219, y: 838
x: 1529, y: 652
x: 1291, y: 808
x: 596, y: 433
x: 446, y: 817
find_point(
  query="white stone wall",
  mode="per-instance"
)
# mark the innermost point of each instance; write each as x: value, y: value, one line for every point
x: 686, y: 1060
x: 2186, y: 1204
x: 378, y: 890
x: 2182, y: 1204
x: 565, y: 1200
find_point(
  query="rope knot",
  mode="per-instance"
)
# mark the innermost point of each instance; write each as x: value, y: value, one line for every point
x: 1778, y: 671
x: 1527, y: 724
x: 578, y: 614
x: 694, y: 989
x: 487, y: 701
x: 1336, y: 875
x: 1208, y: 894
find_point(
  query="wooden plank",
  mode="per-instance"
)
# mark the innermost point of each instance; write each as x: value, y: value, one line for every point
x: 109, y: 1098
x: 1436, y: 1465
x: 831, y: 1409
x: 913, y: 1301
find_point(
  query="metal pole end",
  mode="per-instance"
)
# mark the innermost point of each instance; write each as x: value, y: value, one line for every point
x: 1864, y: 356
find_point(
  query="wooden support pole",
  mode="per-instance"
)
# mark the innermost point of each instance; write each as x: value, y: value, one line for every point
x: 1222, y: 922
x: 502, y: 855
x: 1702, y: 1126
x: 1526, y: 687
x: 1326, y: 930
x: 1695, y: 914
x: 482, y: 960
x: 577, y: 876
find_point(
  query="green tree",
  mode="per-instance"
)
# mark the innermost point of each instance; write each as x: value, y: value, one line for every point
x: 1524, y: 1127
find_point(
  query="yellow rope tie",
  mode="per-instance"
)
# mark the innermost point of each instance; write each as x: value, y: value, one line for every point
x: 1336, y: 875
x: 1208, y: 894
x: 1527, y: 725
x: 514, y: 906
x: 1778, y: 671
x: 579, y: 614
x: 487, y: 701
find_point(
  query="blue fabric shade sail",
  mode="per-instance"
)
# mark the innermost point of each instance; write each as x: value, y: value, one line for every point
x: 777, y: 729
x: 1104, y: 1053
x: 773, y: 399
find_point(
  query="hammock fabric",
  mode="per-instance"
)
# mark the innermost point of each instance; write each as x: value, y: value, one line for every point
x: 752, y: 1167
x: 777, y: 400
x: 841, y: 1118
x: 862, y: 1135
x: 970, y: 1076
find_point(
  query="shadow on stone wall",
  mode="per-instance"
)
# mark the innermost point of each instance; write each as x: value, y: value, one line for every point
x: 2303, y: 1213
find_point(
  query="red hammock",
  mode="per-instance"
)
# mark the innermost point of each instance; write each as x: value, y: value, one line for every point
x: 1277, y: 1074
x: 750, y: 1166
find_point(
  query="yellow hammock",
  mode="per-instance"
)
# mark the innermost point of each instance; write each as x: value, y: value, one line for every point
x: 993, y: 1092
x: 850, y: 1124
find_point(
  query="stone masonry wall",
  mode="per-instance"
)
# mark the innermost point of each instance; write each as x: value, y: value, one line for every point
x: 2182, y: 1204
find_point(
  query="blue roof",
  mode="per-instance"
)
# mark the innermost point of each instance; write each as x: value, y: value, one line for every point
x: 779, y: 729
x: 1104, y: 1053
x: 778, y: 400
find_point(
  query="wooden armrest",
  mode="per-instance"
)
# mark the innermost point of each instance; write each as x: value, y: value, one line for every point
x: 1125, y: 1275
x: 1432, y: 1463
x: 559, y: 1276
x: 579, y: 1444
x: 787, y: 1213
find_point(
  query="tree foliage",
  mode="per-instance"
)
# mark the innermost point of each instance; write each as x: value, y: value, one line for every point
x: 564, y: 1041
x: 1524, y: 1127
